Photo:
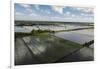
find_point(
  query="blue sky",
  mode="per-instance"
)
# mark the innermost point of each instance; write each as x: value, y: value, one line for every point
x: 53, y: 13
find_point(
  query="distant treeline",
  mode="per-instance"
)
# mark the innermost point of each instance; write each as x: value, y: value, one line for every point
x: 31, y: 23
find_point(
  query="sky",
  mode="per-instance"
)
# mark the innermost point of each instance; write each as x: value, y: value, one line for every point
x: 36, y: 12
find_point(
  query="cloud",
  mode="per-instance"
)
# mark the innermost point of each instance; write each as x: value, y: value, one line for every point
x: 46, y: 11
x: 68, y: 13
x: 72, y: 15
x: 29, y: 10
x: 37, y: 7
x: 58, y: 9
x: 86, y: 10
x: 25, y: 5
x: 86, y: 15
x: 83, y: 12
x: 19, y: 13
x: 33, y: 14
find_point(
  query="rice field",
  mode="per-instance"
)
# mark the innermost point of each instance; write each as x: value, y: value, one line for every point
x: 50, y: 48
x: 78, y: 36
x: 28, y: 29
x: 43, y: 48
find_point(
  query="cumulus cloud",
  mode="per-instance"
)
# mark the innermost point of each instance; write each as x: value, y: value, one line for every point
x: 46, y: 11
x: 34, y: 12
x: 68, y: 13
x: 29, y: 10
x: 26, y: 13
x: 73, y: 15
x: 86, y: 10
x: 36, y: 7
x: 58, y: 9
x: 19, y: 13
x: 25, y: 5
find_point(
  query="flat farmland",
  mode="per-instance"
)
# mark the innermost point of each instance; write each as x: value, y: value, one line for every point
x: 78, y: 36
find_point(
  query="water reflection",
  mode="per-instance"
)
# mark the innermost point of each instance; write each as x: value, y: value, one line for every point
x: 79, y: 36
x: 49, y: 48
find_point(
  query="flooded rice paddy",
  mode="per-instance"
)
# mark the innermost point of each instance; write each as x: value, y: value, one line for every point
x: 45, y: 49
x: 78, y: 36
x: 28, y: 29
x: 51, y: 48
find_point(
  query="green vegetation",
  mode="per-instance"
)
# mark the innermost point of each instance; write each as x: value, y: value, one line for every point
x: 87, y: 44
x: 41, y: 31
x: 55, y: 47
x: 33, y: 32
x: 37, y: 32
